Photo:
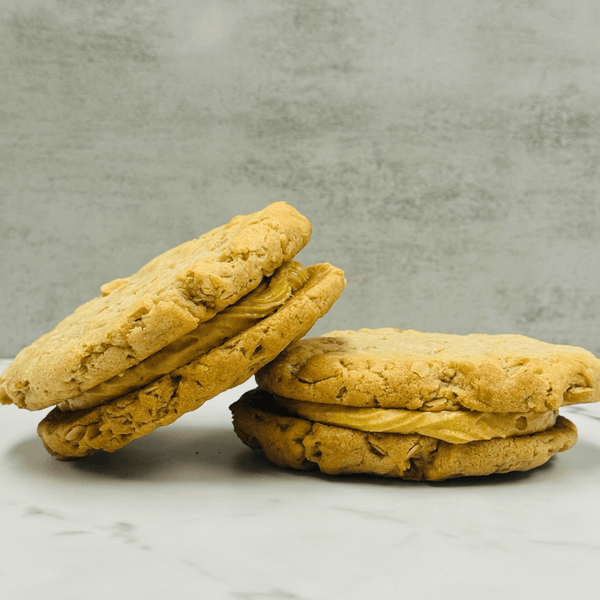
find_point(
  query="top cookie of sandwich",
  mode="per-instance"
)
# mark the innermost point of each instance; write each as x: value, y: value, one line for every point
x: 167, y: 298
x: 392, y: 368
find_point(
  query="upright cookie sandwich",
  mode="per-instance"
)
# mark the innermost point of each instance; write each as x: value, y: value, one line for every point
x: 419, y: 406
x: 195, y: 321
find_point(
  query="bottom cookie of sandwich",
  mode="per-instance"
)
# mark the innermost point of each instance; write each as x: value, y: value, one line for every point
x: 298, y: 443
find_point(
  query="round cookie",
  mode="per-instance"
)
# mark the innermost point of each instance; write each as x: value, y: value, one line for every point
x: 301, y: 444
x: 166, y: 299
x: 392, y: 368
x: 72, y: 434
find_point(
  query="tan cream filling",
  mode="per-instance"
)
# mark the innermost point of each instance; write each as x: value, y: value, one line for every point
x: 255, y: 306
x: 456, y: 427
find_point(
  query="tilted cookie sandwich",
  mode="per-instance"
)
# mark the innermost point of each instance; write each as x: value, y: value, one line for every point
x: 195, y: 321
x: 419, y: 406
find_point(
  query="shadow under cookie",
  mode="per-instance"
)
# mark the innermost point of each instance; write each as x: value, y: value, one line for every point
x: 175, y: 454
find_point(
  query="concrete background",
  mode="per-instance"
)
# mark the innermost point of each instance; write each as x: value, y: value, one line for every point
x: 447, y: 153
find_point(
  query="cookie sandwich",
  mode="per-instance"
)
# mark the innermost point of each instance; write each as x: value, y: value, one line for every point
x: 198, y: 319
x: 419, y: 406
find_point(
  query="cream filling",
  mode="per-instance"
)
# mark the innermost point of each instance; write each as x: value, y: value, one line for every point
x: 456, y: 427
x: 270, y: 294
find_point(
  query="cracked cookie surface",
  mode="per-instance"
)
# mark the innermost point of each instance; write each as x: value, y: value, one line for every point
x: 116, y: 423
x: 392, y: 368
x: 167, y: 298
x: 297, y: 443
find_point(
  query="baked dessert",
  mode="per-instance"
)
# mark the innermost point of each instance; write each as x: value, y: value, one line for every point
x: 193, y: 322
x: 414, y: 405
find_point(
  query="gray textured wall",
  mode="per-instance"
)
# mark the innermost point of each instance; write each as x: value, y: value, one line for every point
x: 447, y: 153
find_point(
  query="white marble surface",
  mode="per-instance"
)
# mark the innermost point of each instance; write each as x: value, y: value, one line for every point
x: 189, y: 511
